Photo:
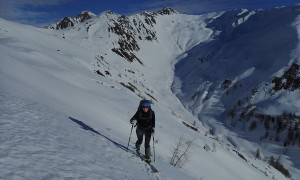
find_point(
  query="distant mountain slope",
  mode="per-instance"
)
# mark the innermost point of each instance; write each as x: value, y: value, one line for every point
x: 247, y: 77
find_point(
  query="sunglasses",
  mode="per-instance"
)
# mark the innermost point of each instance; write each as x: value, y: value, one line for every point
x: 146, y: 107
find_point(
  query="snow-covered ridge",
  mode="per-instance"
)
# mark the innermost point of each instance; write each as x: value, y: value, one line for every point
x: 243, y: 17
x: 67, y: 22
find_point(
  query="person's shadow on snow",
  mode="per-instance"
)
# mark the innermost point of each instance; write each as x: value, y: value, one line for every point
x: 88, y: 128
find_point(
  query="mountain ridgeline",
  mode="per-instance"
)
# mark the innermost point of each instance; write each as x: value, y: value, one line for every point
x: 128, y: 30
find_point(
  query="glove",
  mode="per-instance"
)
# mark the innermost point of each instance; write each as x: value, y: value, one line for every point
x: 133, y: 121
x: 152, y: 130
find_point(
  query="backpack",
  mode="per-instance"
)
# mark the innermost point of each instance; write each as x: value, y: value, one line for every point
x: 140, y: 111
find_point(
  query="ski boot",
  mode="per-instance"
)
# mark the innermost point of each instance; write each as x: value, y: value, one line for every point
x: 147, y: 159
x: 147, y: 155
x: 137, y: 148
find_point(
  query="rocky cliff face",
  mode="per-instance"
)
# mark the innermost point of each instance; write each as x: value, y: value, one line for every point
x: 131, y: 30
x: 290, y: 80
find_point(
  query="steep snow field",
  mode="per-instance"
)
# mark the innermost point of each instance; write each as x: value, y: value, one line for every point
x: 40, y: 143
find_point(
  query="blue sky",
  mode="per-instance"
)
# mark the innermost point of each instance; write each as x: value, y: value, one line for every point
x: 42, y: 12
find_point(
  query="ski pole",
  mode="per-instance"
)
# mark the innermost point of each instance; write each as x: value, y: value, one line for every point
x: 129, y: 136
x: 153, y: 149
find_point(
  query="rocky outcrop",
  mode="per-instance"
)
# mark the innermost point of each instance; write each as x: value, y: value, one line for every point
x: 67, y: 22
x: 167, y: 11
x: 130, y: 30
x: 290, y: 80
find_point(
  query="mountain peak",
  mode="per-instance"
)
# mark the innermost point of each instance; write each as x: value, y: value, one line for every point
x: 85, y: 15
x: 167, y: 11
x: 110, y: 12
x: 71, y: 21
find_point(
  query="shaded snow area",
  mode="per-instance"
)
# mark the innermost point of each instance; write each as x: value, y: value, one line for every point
x: 228, y: 79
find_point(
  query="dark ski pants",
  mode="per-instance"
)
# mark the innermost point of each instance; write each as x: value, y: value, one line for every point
x: 140, y: 134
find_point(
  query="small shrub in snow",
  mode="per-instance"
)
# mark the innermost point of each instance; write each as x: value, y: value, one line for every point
x: 257, y: 155
x: 180, y: 153
x: 277, y: 165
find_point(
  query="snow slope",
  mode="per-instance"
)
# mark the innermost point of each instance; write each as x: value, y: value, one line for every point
x: 39, y: 143
x: 60, y: 119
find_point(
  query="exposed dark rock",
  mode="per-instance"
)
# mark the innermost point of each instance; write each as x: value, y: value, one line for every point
x: 84, y: 16
x: 167, y: 11
x: 226, y: 83
x: 127, y: 55
x: 289, y: 80
x: 107, y: 73
x: 239, y: 154
x: 190, y: 126
x: 99, y: 73
x: 65, y: 23
x: 149, y: 18
x: 131, y: 88
x: 129, y: 32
